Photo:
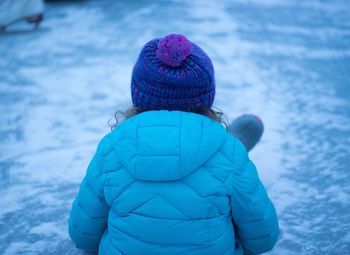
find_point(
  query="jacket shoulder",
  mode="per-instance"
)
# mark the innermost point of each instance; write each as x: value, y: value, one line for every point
x: 234, y: 150
x: 107, y: 153
x: 105, y: 145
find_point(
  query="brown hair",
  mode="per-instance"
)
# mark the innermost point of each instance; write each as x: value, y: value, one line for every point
x: 215, y: 114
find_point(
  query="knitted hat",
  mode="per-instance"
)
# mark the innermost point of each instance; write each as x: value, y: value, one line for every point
x: 172, y: 74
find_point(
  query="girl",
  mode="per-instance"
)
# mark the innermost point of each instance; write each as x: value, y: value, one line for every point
x: 170, y: 179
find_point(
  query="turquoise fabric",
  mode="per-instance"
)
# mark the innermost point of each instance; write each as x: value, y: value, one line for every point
x: 171, y: 182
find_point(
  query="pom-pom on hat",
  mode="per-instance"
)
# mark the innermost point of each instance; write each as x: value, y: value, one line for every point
x: 172, y: 73
x: 173, y: 50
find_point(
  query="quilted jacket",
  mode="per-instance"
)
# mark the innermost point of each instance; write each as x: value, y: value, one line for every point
x: 171, y: 182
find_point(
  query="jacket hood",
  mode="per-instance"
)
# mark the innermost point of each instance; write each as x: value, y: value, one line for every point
x: 167, y: 145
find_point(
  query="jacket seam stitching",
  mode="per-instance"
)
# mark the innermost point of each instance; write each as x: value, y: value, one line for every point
x: 174, y: 126
x: 124, y: 190
x: 222, y: 183
x: 200, y: 142
x: 84, y: 233
x: 87, y: 214
x: 99, y: 197
x: 177, y: 209
x: 187, y: 185
x: 153, y: 243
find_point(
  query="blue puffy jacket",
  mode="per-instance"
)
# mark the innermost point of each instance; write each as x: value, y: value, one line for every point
x: 170, y: 182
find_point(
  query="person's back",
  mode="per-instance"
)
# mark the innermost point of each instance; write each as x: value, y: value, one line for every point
x: 172, y: 182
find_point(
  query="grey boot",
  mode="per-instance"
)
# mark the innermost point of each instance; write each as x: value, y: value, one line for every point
x: 248, y: 128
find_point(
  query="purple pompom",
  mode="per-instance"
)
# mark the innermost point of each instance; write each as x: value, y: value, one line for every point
x: 173, y: 50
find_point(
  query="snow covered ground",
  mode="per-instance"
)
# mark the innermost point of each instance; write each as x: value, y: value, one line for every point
x: 287, y: 61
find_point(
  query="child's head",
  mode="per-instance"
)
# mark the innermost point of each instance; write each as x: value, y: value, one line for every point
x: 173, y: 73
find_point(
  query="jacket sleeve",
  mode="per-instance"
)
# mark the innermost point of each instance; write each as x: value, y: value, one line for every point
x: 252, y: 211
x: 88, y: 216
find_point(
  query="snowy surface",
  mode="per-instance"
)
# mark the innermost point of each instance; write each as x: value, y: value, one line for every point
x: 287, y: 61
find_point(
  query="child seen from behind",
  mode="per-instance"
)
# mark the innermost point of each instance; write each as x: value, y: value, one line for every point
x: 170, y: 179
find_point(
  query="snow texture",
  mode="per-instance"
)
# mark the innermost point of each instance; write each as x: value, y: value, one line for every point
x: 287, y: 61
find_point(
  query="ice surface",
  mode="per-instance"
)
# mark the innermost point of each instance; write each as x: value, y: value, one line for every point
x: 287, y: 61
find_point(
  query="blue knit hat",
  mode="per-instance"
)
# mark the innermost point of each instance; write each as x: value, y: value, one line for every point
x: 172, y: 73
